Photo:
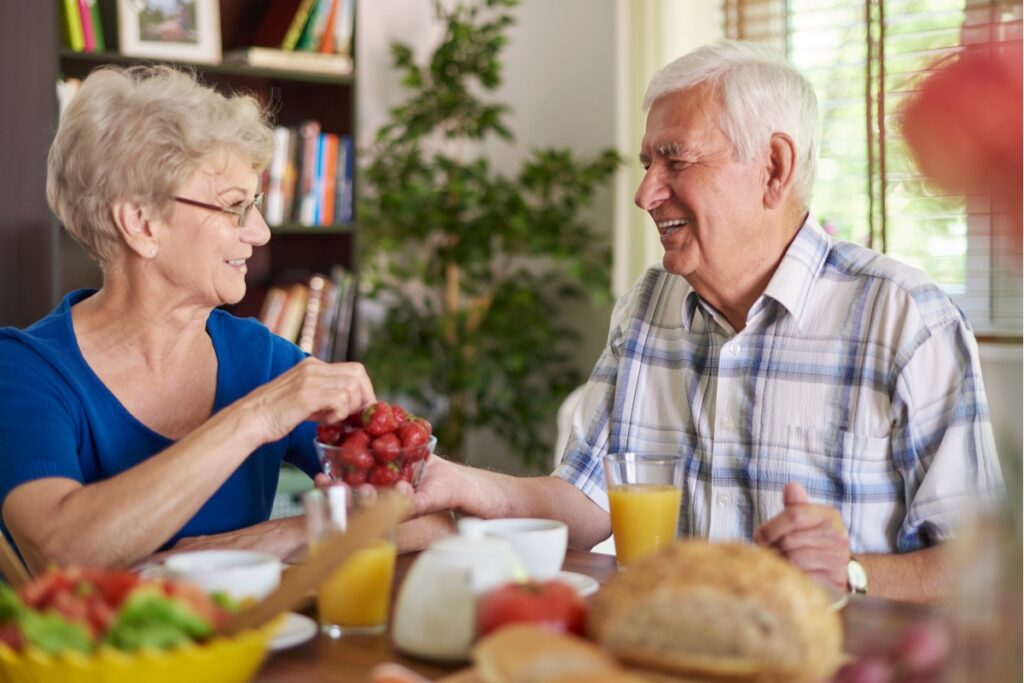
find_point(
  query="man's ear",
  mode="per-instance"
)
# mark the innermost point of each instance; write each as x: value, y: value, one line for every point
x: 781, y: 167
x: 137, y: 229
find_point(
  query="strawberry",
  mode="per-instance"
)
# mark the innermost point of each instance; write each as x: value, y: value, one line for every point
x: 423, y: 423
x: 413, y: 434
x: 386, y: 448
x: 400, y: 413
x: 407, y: 472
x: 384, y: 475
x: 355, y: 477
x: 354, y: 421
x: 329, y: 434
x: 379, y: 419
x: 358, y: 440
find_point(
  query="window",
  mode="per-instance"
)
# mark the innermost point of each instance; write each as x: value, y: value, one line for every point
x: 864, y: 58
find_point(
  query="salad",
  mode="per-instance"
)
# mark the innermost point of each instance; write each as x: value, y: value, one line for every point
x: 82, y: 609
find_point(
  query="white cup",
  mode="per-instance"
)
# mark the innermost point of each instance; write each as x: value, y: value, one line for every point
x: 239, y: 573
x: 539, y: 543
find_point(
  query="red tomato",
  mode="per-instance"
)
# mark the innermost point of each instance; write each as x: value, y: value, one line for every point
x: 552, y: 604
x: 114, y: 585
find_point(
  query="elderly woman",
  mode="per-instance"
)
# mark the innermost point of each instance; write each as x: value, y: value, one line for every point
x: 140, y: 417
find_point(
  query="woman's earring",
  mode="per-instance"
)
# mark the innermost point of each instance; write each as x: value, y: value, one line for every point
x: 152, y: 252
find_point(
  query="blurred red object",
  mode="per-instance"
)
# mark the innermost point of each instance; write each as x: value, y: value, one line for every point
x: 964, y: 127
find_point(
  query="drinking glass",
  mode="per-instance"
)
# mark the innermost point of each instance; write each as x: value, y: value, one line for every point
x: 644, y: 494
x: 355, y: 598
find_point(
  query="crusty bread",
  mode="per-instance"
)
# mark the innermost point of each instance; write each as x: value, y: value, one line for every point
x: 523, y: 653
x: 719, y: 610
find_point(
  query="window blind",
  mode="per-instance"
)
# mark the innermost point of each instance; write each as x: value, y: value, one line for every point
x: 864, y: 58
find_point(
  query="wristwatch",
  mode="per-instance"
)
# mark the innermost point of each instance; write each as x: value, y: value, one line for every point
x: 856, y: 577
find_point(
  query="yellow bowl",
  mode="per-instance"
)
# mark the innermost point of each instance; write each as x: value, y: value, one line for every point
x: 220, y: 660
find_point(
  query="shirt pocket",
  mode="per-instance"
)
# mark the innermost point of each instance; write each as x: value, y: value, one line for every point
x: 835, y: 443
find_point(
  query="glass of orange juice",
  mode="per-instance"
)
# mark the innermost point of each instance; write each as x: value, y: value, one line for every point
x: 645, y: 493
x: 356, y: 597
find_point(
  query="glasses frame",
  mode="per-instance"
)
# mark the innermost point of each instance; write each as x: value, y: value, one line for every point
x: 242, y: 213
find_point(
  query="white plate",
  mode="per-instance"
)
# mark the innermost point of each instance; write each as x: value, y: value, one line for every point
x: 297, y: 628
x: 584, y: 585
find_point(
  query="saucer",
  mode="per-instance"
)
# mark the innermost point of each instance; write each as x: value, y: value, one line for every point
x: 584, y: 585
x: 296, y: 629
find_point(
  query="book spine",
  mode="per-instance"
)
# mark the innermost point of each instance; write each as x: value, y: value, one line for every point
x: 274, y: 213
x: 306, y: 38
x: 318, y: 185
x: 309, y: 132
x: 72, y: 22
x: 88, y: 37
x: 313, y: 301
x: 291, y: 38
x: 291, y: 176
x: 330, y: 178
x: 326, y: 38
x: 97, y: 25
x: 343, y: 28
x: 345, y: 210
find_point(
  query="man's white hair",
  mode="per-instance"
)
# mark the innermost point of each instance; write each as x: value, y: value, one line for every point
x: 760, y: 94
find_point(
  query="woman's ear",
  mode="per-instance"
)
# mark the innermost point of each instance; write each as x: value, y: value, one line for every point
x: 780, y: 170
x: 137, y: 229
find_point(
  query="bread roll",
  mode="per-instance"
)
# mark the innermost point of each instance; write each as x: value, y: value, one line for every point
x: 719, y: 610
x: 523, y: 653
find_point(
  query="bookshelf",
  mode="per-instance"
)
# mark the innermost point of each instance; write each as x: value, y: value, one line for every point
x: 295, y: 251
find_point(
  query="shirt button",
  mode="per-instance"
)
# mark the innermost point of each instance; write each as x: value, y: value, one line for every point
x: 723, y: 498
x: 734, y: 349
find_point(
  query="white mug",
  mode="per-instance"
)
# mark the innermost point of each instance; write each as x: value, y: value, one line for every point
x: 239, y: 573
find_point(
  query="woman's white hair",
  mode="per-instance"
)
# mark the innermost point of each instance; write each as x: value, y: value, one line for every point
x: 139, y: 134
x: 760, y: 94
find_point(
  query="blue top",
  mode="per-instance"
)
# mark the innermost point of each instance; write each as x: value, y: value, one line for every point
x: 57, y: 419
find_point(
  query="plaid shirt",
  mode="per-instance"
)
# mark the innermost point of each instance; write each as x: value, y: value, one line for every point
x: 855, y: 376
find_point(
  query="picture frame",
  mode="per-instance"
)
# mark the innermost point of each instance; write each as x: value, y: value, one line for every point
x: 178, y: 30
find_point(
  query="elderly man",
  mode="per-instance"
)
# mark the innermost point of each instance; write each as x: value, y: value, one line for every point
x: 827, y: 399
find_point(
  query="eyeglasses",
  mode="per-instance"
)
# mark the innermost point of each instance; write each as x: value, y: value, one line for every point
x: 242, y: 211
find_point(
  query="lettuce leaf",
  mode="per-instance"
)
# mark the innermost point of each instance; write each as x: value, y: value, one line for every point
x: 149, y: 619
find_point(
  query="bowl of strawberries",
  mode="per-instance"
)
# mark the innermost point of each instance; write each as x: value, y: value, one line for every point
x: 381, y: 446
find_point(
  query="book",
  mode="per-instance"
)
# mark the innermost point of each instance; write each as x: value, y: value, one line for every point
x: 324, y: 336
x: 314, y: 297
x: 329, y: 180
x: 306, y: 62
x: 71, y: 25
x: 291, y: 37
x: 275, y: 22
x: 273, y: 308
x: 88, y: 37
x: 344, y: 210
x: 343, y: 318
x: 291, y: 176
x: 318, y: 182
x: 274, y: 210
x: 343, y: 28
x: 306, y: 38
x: 294, y: 312
x: 97, y: 25
x: 326, y: 37
x: 305, y: 206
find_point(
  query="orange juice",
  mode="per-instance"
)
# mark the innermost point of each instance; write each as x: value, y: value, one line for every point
x: 357, y: 595
x: 644, y: 518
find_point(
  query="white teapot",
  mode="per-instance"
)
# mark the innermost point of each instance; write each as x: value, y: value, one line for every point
x: 435, y: 615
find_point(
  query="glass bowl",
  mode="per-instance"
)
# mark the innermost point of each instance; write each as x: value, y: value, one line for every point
x: 383, y: 467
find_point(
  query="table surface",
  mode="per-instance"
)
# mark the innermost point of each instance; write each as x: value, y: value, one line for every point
x: 869, y: 622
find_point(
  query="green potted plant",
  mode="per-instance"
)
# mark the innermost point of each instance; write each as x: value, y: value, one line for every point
x: 472, y: 266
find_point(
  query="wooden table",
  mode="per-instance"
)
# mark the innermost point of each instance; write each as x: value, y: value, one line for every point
x: 869, y: 622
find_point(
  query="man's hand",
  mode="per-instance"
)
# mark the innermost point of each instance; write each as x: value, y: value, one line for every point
x: 811, y: 536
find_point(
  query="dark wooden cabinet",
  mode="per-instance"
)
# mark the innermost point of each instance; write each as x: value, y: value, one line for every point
x: 39, y: 262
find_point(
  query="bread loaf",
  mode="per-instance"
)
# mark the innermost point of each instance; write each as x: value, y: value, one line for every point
x: 719, y: 610
x: 526, y: 653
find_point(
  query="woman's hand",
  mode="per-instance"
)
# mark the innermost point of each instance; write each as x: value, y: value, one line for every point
x: 328, y: 392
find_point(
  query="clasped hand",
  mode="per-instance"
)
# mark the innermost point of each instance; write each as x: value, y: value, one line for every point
x: 811, y: 536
